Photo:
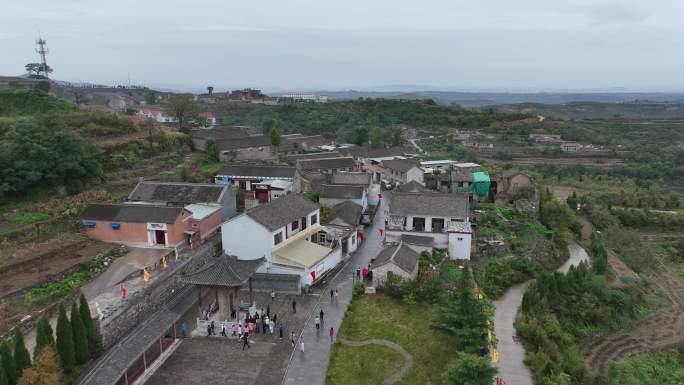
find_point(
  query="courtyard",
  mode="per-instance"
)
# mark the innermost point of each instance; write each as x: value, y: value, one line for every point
x: 221, y: 360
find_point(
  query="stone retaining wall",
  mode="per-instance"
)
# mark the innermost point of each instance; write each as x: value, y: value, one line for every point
x: 156, y: 295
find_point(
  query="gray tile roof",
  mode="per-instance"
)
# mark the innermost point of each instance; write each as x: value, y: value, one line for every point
x: 279, y: 212
x: 225, y: 270
x: 401, y: 165
x: 315, y: 155
x: 180, y: 193
x: 130, y: 213
x: 417, y: 240
x: 412, y: 186
x: 326, y: 163
x: 337, y: 191
x: 364, y: 152
x: 258, y: 171
x: 401, y: 255
x: 220, y: 132
x: 347, y: 211
x: 432, y: 204
x: 510, y: 173
x: 351, y: 178
x: 246, y: 142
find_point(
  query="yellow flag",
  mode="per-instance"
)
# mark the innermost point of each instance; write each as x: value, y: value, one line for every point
x: 495, y: 356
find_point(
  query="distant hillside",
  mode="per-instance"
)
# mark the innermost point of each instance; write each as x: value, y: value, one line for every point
x: 589, y: 110
x: 478, y: 99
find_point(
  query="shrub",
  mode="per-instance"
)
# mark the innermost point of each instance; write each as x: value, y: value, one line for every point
x: 359, y: 290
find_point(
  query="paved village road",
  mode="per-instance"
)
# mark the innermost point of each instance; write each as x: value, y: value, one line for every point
x: 310, y: 367
x: 511, y: 352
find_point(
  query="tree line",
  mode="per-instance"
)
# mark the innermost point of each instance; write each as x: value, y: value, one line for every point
x: 56, y: 357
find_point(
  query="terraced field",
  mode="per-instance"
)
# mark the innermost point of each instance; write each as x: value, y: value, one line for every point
x: 664, y: 328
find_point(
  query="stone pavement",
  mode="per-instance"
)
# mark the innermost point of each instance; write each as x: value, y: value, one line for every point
x: 310, y: 367
x: 221, y: 360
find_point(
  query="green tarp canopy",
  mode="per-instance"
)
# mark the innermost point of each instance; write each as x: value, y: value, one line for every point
x: 480, y: 185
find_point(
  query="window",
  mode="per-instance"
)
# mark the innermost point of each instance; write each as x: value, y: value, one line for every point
x: 295, y: 225
x: 243, y: 185
x: 314, y: 219
x: 460, y: 238
x: 115, y: 226
x: 303, y: 223
x: 277, y: 238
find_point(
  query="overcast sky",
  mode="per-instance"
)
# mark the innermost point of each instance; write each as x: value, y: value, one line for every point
x: 353, y: 44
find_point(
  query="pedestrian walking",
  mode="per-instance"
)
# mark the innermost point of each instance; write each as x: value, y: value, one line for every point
x: 318, y: 323
x: 271, y: 326
x: 331, y: 333
x: 245, y: 341
x: 275, y: 318
x: 234, y: 330
x: 213, y: 330
x: 332, y: 293
x: 268, y: 310
x: 294, y: 306
x: 281, y: 330
x: 264, y: 325
x: 358, y: 274
x: 272, y: 295
x: 321, y: 314
x: 337, y: 295
x: 292, y: 339
x: 184, y: 329
x: 208, y: 330
x: 301, y: 342
x: 240, y: 331
x: 223, y: 331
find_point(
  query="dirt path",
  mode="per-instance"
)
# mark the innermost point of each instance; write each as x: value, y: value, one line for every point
x: 408, y: 359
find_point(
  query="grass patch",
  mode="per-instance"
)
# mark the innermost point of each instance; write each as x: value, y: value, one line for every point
x: 207, y: 167
x: 362, y: 365
x: 377, y: 316
x: 649, y: 369
x: 26, y: 217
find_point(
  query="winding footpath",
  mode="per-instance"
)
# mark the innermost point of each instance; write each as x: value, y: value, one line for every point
x: 511, y: 352
x: 408, y: 359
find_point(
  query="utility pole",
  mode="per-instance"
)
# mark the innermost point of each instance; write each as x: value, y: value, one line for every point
x: 42, y: 50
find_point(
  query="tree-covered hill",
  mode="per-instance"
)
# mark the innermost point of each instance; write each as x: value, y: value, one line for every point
x: 339, y: 117
x: 25, y: 101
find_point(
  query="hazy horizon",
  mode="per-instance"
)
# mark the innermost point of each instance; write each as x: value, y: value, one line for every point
x: 529, y: 45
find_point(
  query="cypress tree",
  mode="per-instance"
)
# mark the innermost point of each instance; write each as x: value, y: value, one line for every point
x: 65, y: 341
x: 94, y: 339
x: 3, y: 377
x: 8, y: 363
x: 22, y: 358
x: 44, y: 336
x: 80, y: 336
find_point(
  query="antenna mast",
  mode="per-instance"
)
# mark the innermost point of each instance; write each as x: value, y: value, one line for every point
x: 42, y: 50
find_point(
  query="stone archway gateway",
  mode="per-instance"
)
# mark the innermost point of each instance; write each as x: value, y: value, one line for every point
x: 225, y: 275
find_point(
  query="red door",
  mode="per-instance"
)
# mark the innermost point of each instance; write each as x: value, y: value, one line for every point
x: 262, y: 196
x: 160, y: 237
